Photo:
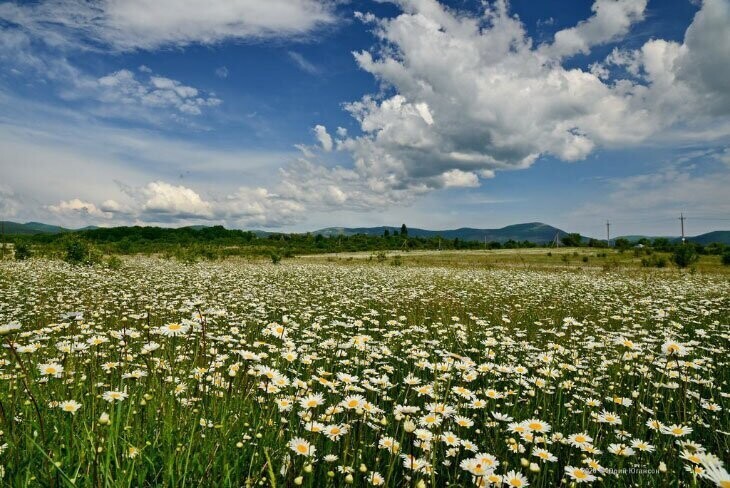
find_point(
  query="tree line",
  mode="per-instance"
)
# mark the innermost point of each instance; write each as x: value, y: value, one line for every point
x: 217, y: 242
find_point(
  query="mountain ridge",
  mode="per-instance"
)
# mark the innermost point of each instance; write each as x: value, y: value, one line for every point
x: 537, y: 232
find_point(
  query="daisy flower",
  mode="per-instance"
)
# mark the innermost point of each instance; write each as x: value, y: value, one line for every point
x: 50, y: 369
x: 70, y: 406
x: 114, y: 396
x: 579, y: 475
x: 302, y: 447
x: 676, y: 430
x: 173, y: 329
x: 514, y: 479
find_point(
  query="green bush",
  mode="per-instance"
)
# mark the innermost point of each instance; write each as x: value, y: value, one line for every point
x: 726, y: 258
x: 22, y: 251
x: 80, y: 252
x: 654, y: 261
x: 685, y: 255
x: 114, y: 262
x: 275, y: 258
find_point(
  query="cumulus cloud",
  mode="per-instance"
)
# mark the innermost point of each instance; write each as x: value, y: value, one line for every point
x: 150, y: 24
x: 611, y: 20
x: 164, y: 200
x: 466, y: 95
x: 80, y: 208
x: 122, y: 87
x: 325, y: 140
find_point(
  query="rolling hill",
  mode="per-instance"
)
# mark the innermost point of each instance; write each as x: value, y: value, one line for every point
x: 533, y: 232
x: 14, y: 228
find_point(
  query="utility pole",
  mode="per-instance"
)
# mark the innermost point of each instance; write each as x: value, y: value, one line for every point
x: 681, y: 220
x: 608, y: 233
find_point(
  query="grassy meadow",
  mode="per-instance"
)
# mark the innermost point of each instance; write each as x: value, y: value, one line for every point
x: 430, y: 369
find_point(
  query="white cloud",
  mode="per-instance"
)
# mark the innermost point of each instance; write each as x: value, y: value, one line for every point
x: 79, y: 207
x: 165, y: 200
x: 611, y: 20
x: 303, y: 64
x: 323, y: 137
x: 151, y: 24
x: 473, y: 95
x: 123, y: 88
x: 458, y: 178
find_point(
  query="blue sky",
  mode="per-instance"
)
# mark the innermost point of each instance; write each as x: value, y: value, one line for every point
x: 296, y: 114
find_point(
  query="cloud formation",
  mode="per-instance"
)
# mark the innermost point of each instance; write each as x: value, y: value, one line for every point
x: 474, y: 95
x: 122, y: 87
x: 79, y: 207
x: 150, y: 24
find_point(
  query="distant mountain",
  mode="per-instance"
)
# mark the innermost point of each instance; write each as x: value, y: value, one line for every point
x: 721, y: 236
x: 14, y: 228
x: 533, y: 232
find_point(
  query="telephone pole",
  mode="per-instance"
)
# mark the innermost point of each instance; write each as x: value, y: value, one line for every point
x: 608, y: 233
x: 681, y: 220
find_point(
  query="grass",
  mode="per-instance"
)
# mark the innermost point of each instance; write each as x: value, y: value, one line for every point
x: 536, y: 258
x: 438, y: 372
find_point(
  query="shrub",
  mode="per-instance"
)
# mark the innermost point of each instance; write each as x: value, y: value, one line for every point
x: 79, y: 252
x: 275, y: 258
x: 114, y: 262
x: 22, y: 251
x: 654, y: 262
x: 726, y: 258
x: 685, y: 255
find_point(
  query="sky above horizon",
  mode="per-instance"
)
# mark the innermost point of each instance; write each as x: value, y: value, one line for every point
x: 301, y: 114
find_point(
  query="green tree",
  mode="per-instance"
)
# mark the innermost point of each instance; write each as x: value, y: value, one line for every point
x: 22, y: 251
x: 685, y: 255
x: 404, y: 230
x: 622, y: 244
x: 76, y: 251
x: 571, y: 240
